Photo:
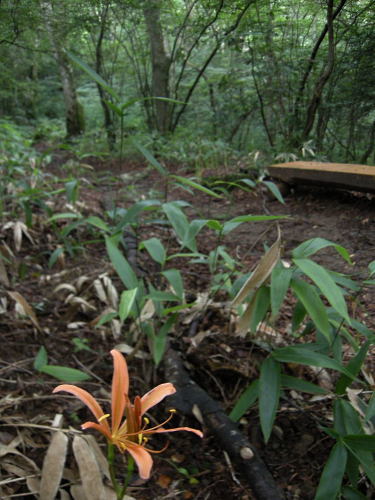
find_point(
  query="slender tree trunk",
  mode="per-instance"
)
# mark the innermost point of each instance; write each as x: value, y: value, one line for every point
x: 73, y: 109
x: 160, y: 64
x: 371, y: 144
x: 108, y: 115
x: 312, y: 60
x: 324, y: 77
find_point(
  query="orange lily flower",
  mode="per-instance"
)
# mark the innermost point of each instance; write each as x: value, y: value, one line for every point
x: 131, y: 434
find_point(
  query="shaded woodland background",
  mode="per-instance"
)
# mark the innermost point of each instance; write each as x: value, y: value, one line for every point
x: 284, y: 78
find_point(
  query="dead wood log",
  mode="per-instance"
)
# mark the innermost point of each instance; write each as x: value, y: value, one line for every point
x: 242, y: 453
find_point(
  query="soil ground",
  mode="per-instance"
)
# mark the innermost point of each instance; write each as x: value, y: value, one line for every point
x: 220, y: 362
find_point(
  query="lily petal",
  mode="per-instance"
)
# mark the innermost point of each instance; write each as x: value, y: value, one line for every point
x: 156, y: 395
x: 99, y: 427
x: 120, y: 387
x: 142, y: 458
x: 86, y: 398
x: 189, y: 429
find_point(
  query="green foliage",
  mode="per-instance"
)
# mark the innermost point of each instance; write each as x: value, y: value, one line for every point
x: 354, y: 445
x: 64, y: 373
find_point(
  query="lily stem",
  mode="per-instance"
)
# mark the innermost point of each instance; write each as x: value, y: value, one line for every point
x: 112, y: 471
x: 129, y: 474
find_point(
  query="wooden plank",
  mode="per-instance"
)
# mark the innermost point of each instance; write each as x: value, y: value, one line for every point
x: 337, y: 175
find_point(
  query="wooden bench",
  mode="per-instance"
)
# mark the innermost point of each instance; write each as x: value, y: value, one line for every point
x: 336, y: 175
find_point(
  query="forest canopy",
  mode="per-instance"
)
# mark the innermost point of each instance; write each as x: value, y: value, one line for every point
x: 284, y: 78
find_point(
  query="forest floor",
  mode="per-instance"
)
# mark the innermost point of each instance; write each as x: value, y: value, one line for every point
x: 221, y: 363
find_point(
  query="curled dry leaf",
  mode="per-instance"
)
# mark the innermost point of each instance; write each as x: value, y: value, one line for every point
x: 89, y: 470
x: 53, y: 466
x: 26, y: 307
x: 261, y: 272
x: 65, y: 286
x: 100, y: 291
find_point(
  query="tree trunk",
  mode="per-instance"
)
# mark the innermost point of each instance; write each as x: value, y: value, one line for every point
x: 371, y: 144
x: 160, y: 65
x: 324, y: 77
x: 73, y: 109
x: 108, y: 115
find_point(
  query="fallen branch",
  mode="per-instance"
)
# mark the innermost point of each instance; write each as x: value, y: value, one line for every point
x: 242, y: 453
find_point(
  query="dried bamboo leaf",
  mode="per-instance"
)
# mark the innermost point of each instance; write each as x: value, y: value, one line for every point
x: 261, y: 272
x: 111, y: 292
x: 81, y: 281
x: 86, y: 306
x: 89, y: 469
x: 3, y: 273
x: 33, y: 484
x: 77, y: 492
x: 99, y: 455
x: 53, y: 466
x: 64, y: 495
x: 17, y: 235
x: 100, y: 291
x: 28, y: 310
x: 244, y: 321
x: 65, y: 286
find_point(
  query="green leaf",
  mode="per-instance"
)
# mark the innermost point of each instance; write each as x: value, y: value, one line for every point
x: 360, y: 441
x: 95, y: 221
x: 105, y: 318
x: 113, y: 107
x: 298, y: 384
x: 246, y: 400
x: 54, y: 256
x: 354, y: 366
x: 371, y: 268
x: 71, y: 188
x: 349, y: 493
x: 310, y: 299
x: 65, y: 215
x: 346, y: 419
x: 312, y: 246
x: 280, y: 280
x: 126, y: 303
x: 195, y: 185
x: 274, y: 190
x: 370, y: 412
x: 299, y: 313
x: 269, y: 395
x: 156, y: 249
x: 365, y: 458
x: 159, y: 296
x: 260, y: 308
x: 131, y: 215
x: 160, y: 339
x: 177, y: 218
x: 333, y: 473
x: 65, y: 373
x: 256, y: 218
x: 93, y: 75
x: 192, y: 231
x: 215, y: 225
x: 175, y: 279
x: 151, y: 159
x: 123, y: 269
x: 304, y: 356
x: 326, y: 284
x: 41, y: 359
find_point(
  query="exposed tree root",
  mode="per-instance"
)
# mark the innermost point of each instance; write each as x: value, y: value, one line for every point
x: 241, y: 452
